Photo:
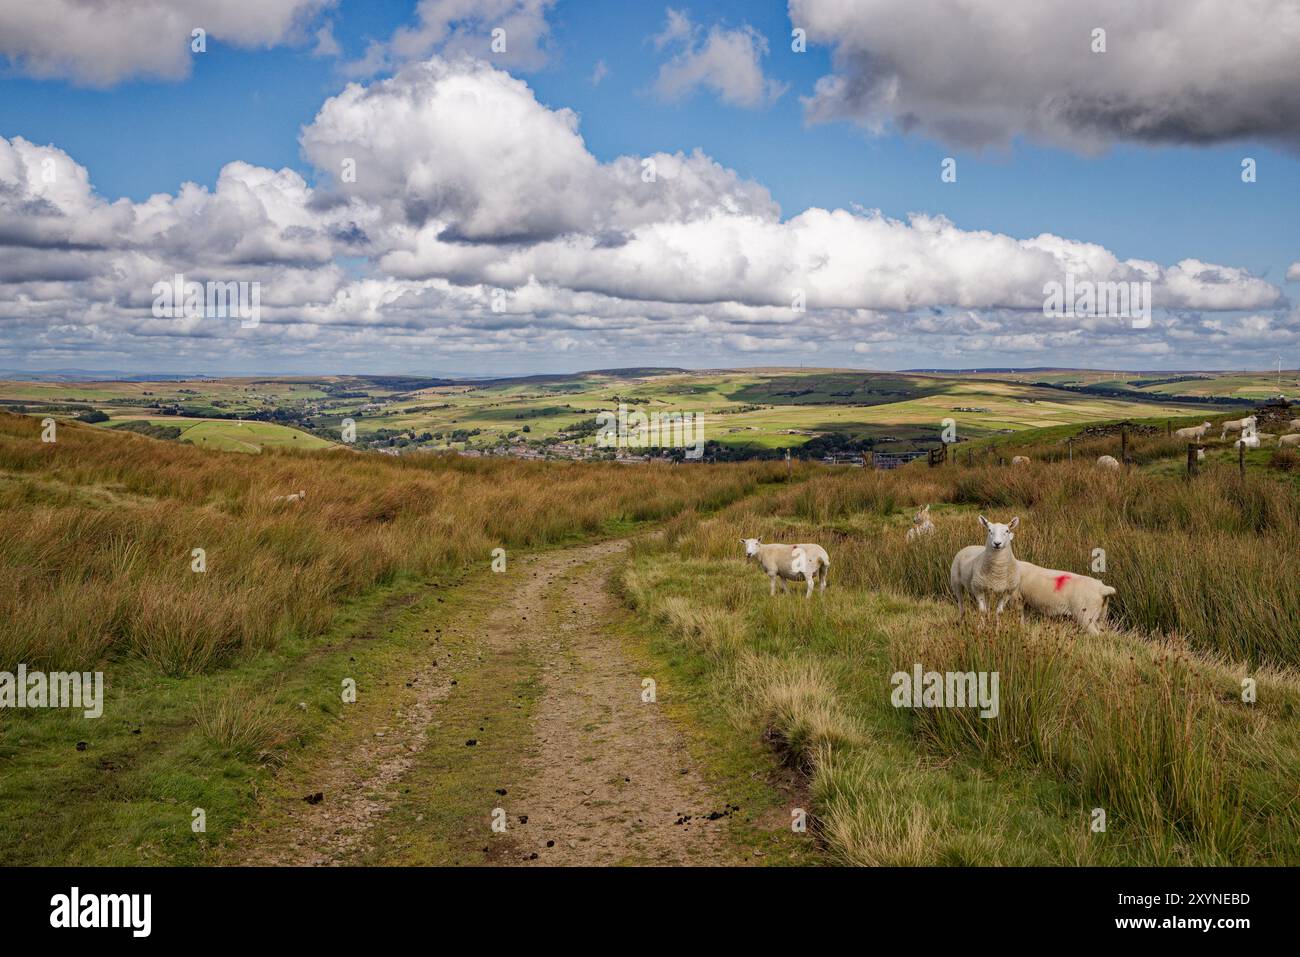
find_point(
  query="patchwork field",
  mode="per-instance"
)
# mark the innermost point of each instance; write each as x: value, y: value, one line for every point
x: 751, y: 412
x: 1251, y: 386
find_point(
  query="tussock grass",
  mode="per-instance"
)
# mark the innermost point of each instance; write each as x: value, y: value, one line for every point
x: 1212, y: 558
x: 96, y: 552
x: 1146, y: 722
x: 243, y: 721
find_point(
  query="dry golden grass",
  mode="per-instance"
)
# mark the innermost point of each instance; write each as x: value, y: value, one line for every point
x: 242, y: 721
x: 1146, y: 722
x: 97, y: 550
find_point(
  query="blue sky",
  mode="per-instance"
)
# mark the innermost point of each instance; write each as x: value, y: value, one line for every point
x: 1161, y: 202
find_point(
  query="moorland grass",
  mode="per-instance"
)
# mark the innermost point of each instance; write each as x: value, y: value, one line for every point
x: 1147, y: 723
x: 98, y: 550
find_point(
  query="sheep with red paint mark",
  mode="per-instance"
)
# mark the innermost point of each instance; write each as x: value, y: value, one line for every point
x: 1058, y: 594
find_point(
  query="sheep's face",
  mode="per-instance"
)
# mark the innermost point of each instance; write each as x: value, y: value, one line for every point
x: 921, y: 517
x: 751, y: 546
x: 999, y: 536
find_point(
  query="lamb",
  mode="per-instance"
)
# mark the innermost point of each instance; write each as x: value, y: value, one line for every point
x: 1288, y: 440
x: 989, y: 572
x: 1200, y: 454
x: 1058, y: 594
x: 1194, y: 434
x: 1238, y: 425
x: 1108, y: 462
x: 293, y: 497
x: 789, y: 563
x: 1020, y: 460
x: 921, y: 525
x: 1250, y: 440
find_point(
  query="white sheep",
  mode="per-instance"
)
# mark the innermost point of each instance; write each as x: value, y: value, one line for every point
x: 1058, y: 594
x: 1288, y: 440
x: 1108, y: 462
x: 1238, y: 425
x: 1020, y: 460
x: 1200, y: 454
x: 1194, y: 434
x: 292, y: 497
x: 1249, y: 440
x: 1295, y: 425
x: 804, y: 561
x: 988, y: 573
x: 921, y: 525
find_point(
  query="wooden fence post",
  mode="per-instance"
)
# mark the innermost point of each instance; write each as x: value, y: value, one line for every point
x: 1070, y: 445
x: 1241, y: 458
x: 1191, y: 459
x: 1123, y: 444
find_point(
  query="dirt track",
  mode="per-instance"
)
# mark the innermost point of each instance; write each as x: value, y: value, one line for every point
x: 605, y: 779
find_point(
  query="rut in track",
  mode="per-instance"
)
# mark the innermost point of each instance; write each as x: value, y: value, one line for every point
x: 610, y: 780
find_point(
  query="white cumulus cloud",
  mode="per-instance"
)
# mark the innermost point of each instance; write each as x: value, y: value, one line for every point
x: 975, y: 75
x: 102, y: 43
x: 727, y: 61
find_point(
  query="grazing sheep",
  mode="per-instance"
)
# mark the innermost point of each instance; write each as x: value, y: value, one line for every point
x: 1288, y: 440
x: 293, y: 497
x: 789, y: 563
x: 921, y: 524
x: 1194, y: 434
x: 1020, y: 460
x: 1250, y: 440
x: 1108, y: 462
x: 1295, y: 425
x: 1058, y: 594
x: 988, y: 573
x: 1238, y: 425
